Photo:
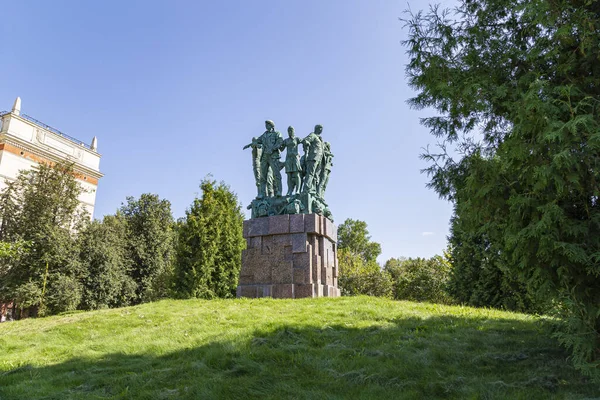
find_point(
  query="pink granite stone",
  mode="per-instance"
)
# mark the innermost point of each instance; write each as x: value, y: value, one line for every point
x: 267, y: 245
x: 246, y: 279
x: 297, y: 223
x: 262, y: 271
x: 318, y: 290
x: 299, y: 242
x: 255, y: 242
x: 312, y: 223
x: 279, y: 224
x: 316, y: 269
x: 283, y: 291
x: 257, y: 227
x: 264, y: 290
x: 329, y: 230
x: 303, y: 291
x: 282, y: 240
x: 247, y: 291
x: 302, y: 275
x: 282, y: 272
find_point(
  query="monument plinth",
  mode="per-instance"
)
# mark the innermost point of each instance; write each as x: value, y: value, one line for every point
x: 289, y: 256
x: 291, y: 239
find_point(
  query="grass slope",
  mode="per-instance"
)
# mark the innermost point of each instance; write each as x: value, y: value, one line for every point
x: 359, y: 348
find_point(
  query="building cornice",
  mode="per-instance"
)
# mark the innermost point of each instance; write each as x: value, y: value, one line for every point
x: 50, y: 154
x: 62, y: 137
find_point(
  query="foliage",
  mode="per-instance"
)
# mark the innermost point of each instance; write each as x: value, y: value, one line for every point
x: 103, y: 252
x: 357, y: 277
x: 40, y: 208
x: 64, y: 293
x: 419, y: 279
x: 354, y: 236
x: 517, y: 84
x: 149, y: 245
x: 27, y: 295
x: 481, y: 275
x: 10, y: 252
x: 342, y: 348
x: 210, y: 244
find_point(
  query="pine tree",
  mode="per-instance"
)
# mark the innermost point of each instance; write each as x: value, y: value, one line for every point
x: 210, y: 244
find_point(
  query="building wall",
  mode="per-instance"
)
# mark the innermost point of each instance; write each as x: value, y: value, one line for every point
x: 24, y: 144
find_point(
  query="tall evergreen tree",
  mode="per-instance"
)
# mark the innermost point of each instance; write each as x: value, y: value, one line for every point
x: 518, y: 82
x: 210, y: 244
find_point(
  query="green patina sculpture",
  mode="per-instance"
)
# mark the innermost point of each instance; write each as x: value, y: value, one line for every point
x: 256, y: 154
x: 271, y: 142
x: 256, y: 157
x: 314, y: 155
x: 292, y: 162
x: 326, y: 165
x: 307, y: 176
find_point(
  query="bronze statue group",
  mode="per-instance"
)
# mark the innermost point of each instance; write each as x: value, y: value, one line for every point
x: 308, y: 174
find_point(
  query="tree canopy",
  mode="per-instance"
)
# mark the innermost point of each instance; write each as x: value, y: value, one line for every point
x: 354, y: 237
x: 516, y: 90
x: 149, y: 237
x: 41, y: 209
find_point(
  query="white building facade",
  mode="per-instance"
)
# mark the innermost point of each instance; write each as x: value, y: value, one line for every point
x: 25, y: 142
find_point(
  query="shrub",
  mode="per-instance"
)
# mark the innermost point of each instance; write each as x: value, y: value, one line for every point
x: 419, y: 279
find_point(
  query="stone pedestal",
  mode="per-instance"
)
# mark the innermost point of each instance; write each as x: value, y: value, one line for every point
x: 289, y: 256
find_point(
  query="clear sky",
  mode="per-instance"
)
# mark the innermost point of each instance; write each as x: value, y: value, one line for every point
x: 174, y: 89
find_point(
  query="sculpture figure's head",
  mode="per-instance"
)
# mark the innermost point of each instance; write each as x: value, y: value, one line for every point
x: 318, y: 129
x: 270, y: 125
x: 291, y: 131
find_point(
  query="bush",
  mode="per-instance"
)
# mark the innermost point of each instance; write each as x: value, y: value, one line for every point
x: 419, y: 279
x: 63, y: 293
x: 358, y: 277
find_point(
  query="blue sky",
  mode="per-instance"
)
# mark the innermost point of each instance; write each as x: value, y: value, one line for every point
x: 174, y: 89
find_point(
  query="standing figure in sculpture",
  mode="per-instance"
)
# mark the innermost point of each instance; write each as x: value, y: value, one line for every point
x: 314, y: 145
x: 292, y: 162
x: 256, y: 154
x: 303, y: 171
x: 271, y: 142
x: 325, y: 170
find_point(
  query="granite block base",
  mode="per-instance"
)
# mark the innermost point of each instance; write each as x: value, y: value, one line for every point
x: 289, y: 257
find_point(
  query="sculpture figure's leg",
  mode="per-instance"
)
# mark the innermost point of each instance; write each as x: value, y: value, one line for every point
x: 256, y: 168
x: 264, y: 175
x: 274, y: 162
x: 310, y: 175
x: 290, y: 183
x: 270, y: 184
x: 323, y: 185
x: 296, y: 181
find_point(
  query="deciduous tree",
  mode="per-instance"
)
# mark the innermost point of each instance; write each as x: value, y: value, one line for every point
x: 41, y: 208
x: 150, y: 245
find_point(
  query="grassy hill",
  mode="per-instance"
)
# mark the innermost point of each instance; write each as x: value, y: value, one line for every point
x: 354, y: 348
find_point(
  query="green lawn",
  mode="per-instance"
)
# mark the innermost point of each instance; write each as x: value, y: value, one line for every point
x: 347, y: 348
